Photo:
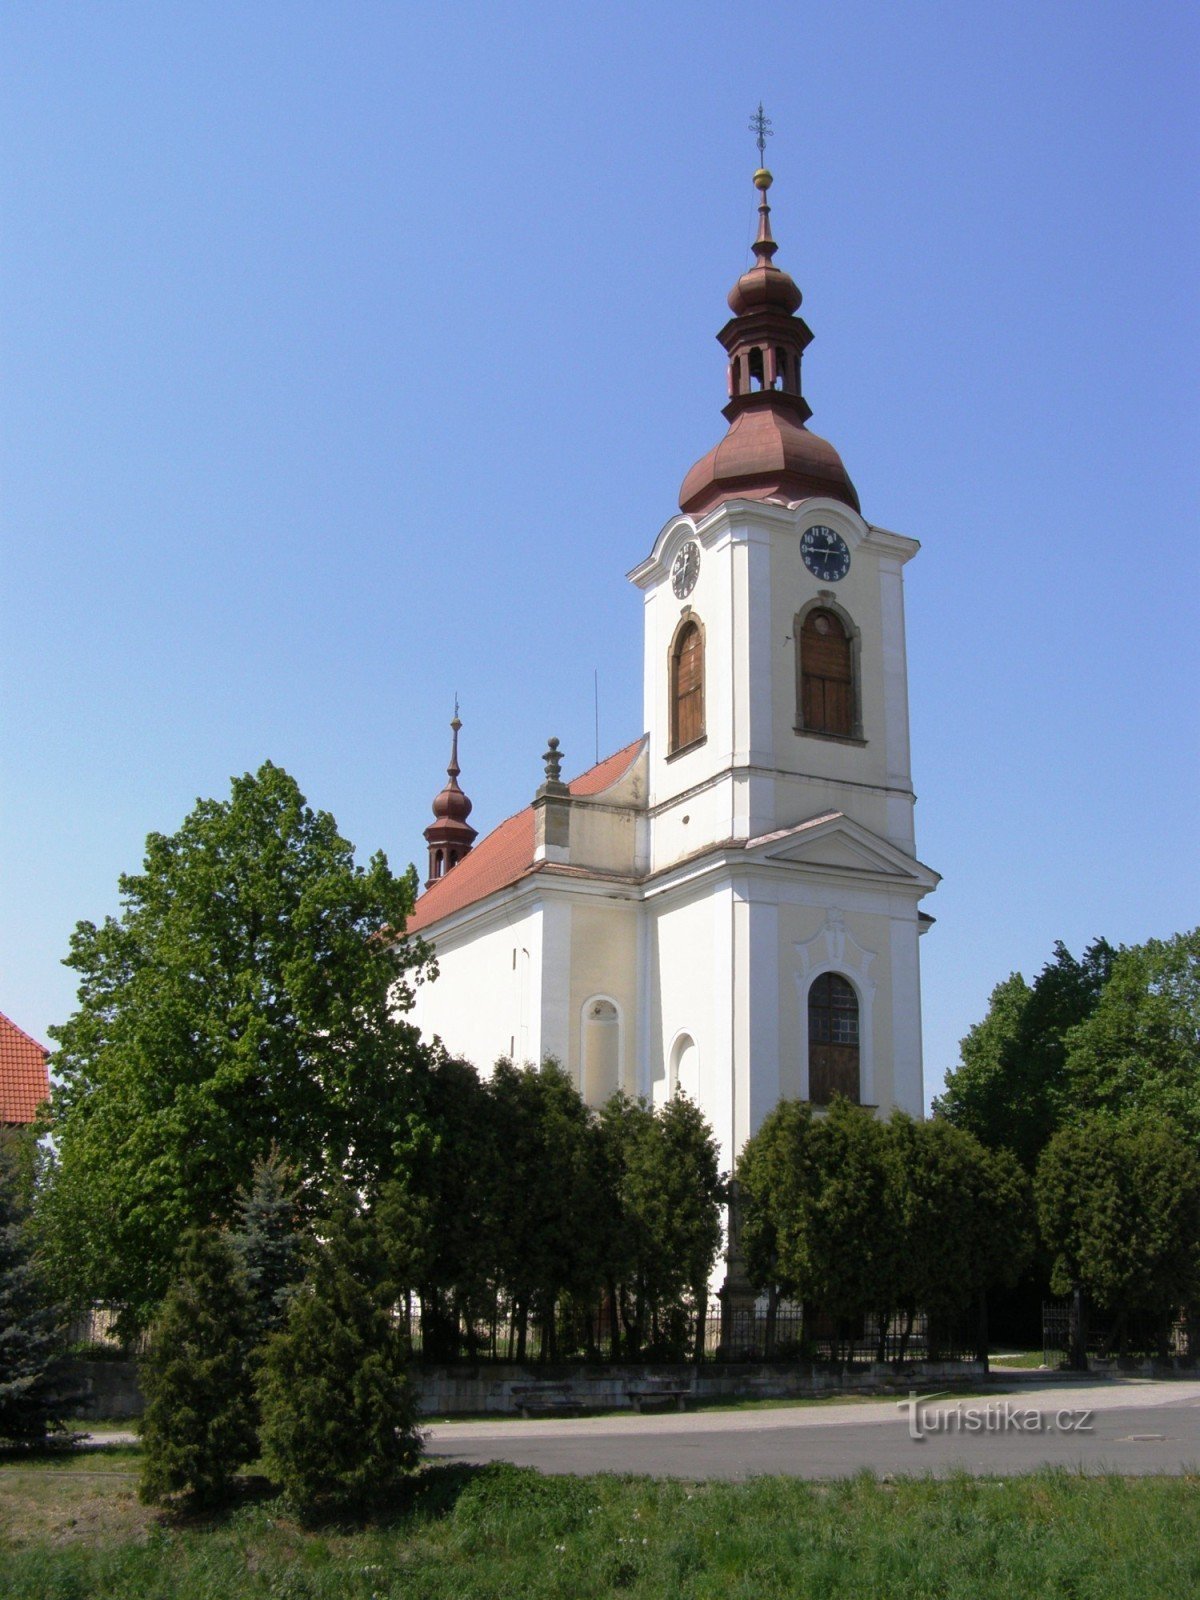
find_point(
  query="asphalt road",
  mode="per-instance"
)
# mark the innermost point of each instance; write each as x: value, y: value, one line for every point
x: 1126, y: 1426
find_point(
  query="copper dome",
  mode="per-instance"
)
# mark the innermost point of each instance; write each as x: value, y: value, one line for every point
x: 767, y: 454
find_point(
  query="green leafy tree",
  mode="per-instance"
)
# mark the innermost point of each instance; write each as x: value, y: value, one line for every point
x: 855, y: 1231
x: 549, y: 1207
x: 777, y: 1183
x: 198, y: 1423
x: 34, y: 1388
x: 1139, y: 1050
x: 1118, y: 1204
x: 1011, y: 1086
x: 665, y: 1219
x: 249, y: 996
x: 967, y: 1221
x: 268, y: 1239
x: 434, y: 1211
x: 338, y: 1412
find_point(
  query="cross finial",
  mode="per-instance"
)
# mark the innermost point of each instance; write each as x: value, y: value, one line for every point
x: 761, y: 125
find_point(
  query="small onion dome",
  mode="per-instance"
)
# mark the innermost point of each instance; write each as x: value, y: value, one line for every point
x: 767, y: 454
x: 764, y: 285
x: 451, y: 805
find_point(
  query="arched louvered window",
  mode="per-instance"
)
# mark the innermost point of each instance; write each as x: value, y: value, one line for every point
x: 832, y: 1039
x: 687, y: 685
x: 826, y: 674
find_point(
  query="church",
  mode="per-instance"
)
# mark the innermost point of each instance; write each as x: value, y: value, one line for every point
x: 730, y: 906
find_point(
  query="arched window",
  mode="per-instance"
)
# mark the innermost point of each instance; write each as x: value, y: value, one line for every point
x: 685, y: 1068
x: 439, y: 864
x: 601, y: 1051
x: 832, y: 1039
x: 826, y: 674
x: 687, y: 685
x: 757, y: 379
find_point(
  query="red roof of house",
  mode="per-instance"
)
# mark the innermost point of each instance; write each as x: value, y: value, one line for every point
x: 506, y: 854
x: 24, y: 1080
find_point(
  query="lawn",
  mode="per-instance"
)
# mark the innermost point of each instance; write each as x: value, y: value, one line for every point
x: 73, y: 1528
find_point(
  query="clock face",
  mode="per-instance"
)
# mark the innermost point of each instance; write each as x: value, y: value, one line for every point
x: 825, y: 554
x: 686, y: 569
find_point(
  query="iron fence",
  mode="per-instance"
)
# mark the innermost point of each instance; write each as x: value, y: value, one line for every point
x: 1107, y: 1335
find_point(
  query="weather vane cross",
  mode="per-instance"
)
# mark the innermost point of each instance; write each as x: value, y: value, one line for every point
x: 761, y: 125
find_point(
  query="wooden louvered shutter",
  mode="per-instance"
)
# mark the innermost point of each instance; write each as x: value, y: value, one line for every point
x: 687, y: 671
x: 826, y: 676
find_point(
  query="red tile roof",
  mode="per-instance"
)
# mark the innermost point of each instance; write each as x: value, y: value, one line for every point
x: 24, y: 1081
x: 506, y: 854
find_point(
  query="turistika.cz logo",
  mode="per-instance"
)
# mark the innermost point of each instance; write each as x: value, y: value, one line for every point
x: 997, y: 1416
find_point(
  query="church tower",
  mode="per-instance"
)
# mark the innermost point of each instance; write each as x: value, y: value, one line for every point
x: 782, y: 852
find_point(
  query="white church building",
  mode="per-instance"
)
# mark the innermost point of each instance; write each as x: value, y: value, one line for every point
x: 730, y: 905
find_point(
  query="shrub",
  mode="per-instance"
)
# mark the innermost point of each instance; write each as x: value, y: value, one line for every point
x: 198, y: 1426
x: 338, y: 1412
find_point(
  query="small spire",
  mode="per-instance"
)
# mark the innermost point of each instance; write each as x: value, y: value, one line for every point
x: 449, y: 836
x: 453, y: 770
x: 764, y: 246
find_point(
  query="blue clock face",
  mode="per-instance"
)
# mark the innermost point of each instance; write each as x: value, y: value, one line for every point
x: 825, y: 554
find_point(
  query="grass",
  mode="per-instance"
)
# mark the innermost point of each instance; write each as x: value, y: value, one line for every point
x: 1017, y: 1358
x: 72, y: 1528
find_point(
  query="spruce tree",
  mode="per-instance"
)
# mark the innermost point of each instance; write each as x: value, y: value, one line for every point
x: 338, y: 1413
x: 198, y: 1425
x: 33, y: 1388
x: 267, y: 1243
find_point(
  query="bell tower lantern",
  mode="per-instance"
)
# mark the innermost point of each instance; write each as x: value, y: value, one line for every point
x: 449, y: 836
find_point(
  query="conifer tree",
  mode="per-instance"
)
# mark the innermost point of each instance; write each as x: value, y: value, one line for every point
x: 267, y: 1242
x: 338, y: 1413
x: 198, y: 1425
x: 33, y: 1389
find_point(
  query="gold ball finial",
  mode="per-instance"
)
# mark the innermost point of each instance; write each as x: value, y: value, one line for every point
x: 763, y: 179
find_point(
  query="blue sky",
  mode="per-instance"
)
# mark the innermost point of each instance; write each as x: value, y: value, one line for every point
x: 354, y: 352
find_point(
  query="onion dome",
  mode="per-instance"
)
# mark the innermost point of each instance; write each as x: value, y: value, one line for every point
x: 768, y: 453
x: 449, y: 836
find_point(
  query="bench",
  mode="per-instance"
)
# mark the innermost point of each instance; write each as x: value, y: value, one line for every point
x: 546, y: 1399
x: 659, y: 1394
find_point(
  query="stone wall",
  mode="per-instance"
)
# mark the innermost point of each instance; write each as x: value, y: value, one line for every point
x: 111, y: 1387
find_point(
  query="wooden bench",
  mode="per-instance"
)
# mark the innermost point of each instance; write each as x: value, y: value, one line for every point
x: 546, y: 1399
x: 659, y: 1394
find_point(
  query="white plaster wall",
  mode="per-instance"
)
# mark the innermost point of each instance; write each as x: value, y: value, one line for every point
x: 483, y: 1004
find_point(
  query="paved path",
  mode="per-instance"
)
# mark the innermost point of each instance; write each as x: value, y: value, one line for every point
x: 1131, y: 1426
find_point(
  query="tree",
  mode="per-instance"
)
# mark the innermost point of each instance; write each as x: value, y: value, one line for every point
x: 267, y: 1241
x: 777, y: 1182
x: 1118, y: 1205
x: 966, y: 1217
x: 1011, y: 1087
x: 338, y: 1412
x: 855, y: 1233
x: 822, y: 1205
x: 198, y: 1424
x: 1139, y: 1050
x: 34, y: 1391
x: 664, y: 1214
x: 434, y: 1211
x: 249, y: 996
x: 549, y: 1205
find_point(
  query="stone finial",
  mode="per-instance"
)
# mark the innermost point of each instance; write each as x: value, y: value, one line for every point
x: 553, y: 760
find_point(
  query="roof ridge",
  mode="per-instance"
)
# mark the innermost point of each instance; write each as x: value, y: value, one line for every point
x: 17, y: 1028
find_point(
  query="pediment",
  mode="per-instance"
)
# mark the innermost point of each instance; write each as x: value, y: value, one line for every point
x: 833, y: 843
